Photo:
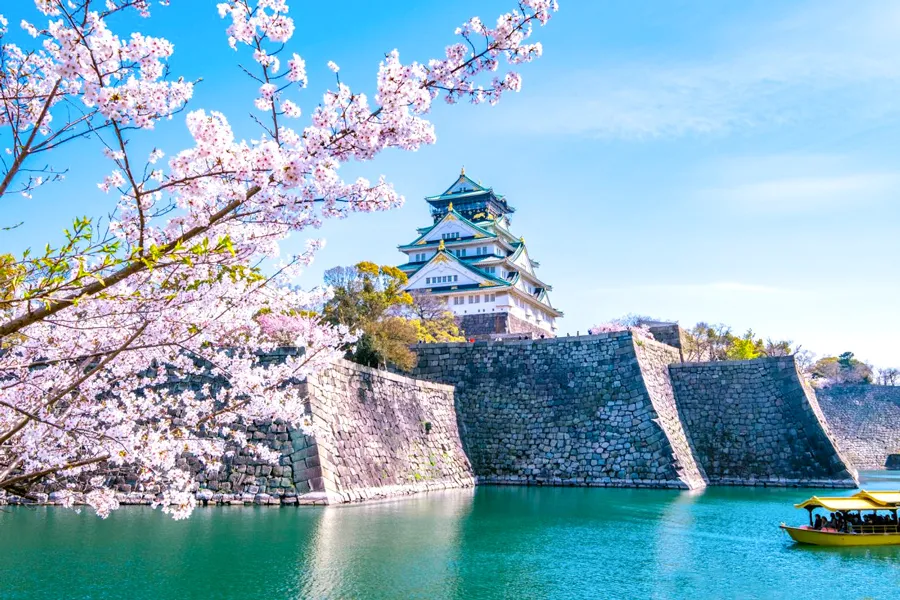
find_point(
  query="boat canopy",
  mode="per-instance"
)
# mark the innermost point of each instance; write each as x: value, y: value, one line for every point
x: 886, y: 499
x: 842, y: 503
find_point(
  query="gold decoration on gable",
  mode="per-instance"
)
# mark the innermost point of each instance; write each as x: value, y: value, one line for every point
x: 440, y: 258
x: 441, y: 246
x: 449, y: 207
x: 421, y: 242
x: 486, y: 284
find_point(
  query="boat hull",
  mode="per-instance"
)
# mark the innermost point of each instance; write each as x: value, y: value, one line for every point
x: 815, y: 537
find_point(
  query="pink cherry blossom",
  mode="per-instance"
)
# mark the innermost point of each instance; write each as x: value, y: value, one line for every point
x: 97, y: 332
x: 297, y: 70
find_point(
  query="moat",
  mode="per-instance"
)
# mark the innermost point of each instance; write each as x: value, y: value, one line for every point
x: 491, y: 542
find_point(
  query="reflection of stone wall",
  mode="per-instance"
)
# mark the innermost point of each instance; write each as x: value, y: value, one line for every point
x: 589, y: 410
x: 865, y: 420
x: 756, y: 422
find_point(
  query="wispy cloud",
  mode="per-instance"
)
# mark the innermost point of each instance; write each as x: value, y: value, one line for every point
x: 795, y: 184
x: 828, y: 58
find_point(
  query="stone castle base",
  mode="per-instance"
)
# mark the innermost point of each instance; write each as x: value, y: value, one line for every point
x: 608, y: 410
x: 499, y: 325
x: 376, y: 435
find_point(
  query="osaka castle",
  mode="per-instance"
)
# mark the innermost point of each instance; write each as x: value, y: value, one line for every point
x: 470, y: 260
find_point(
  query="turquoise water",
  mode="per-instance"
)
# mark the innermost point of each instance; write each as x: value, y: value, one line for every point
x: 496, y: 542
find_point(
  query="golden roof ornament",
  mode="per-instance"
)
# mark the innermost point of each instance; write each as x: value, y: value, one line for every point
x: 463, y: 170
x: 450, y: 207
x: 522, y: 239
x: 441, y: 246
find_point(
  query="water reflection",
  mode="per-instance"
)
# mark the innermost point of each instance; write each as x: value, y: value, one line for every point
x: 501, y: 542
x: 674, y: 554
x: 560, y: 542
x: 408, y: 548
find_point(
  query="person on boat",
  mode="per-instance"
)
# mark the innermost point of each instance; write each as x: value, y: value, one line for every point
x: 846, y: 527
x: 818, y: 523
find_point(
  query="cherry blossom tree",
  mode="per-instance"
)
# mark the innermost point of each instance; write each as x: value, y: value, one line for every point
x: 96, y: 328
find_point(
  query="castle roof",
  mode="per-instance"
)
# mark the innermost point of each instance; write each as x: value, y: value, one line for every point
x: 470, y: 197
x: 443, y: 256
x: 451, y: 214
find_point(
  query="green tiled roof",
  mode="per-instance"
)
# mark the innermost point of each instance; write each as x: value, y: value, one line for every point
x: 416, y: 242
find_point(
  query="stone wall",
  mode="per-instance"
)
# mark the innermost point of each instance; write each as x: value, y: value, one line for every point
x: 379, y: 434
x: 517, y: 325
x: 245, y: 478
x: 484, y: 326
x: 376, y: 435
x: 757, y: 423
x: 603, y: 410
x: 655, y: 360
x: 669, y: 334
x: 865, y: 420
x: 568, y: 411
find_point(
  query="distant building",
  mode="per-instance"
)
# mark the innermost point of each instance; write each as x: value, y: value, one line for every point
x: 469, y: 258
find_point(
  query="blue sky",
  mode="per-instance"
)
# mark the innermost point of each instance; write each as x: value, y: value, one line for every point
x: 719, y: 161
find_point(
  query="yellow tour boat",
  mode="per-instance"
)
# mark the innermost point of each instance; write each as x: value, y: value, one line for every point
x: 863, y: 519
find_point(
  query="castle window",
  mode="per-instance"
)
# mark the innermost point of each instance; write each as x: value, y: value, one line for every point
x: 455, y: 277
x: 427, y: 280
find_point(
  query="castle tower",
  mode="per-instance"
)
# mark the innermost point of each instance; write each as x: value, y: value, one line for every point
x: 469, y: 259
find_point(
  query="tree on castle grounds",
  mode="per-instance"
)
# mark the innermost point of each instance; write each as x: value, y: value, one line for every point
x: 370, y: 299
x: 844, y: 368
x: 705, y: 343
x: 94, y: 326
x: 363, y: 296
x: 889, y: 376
